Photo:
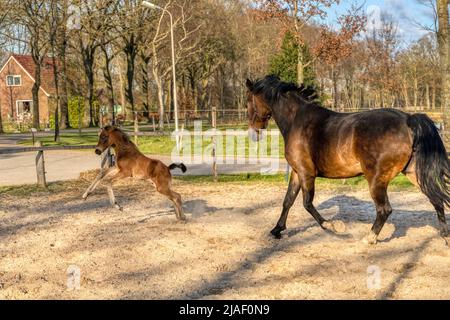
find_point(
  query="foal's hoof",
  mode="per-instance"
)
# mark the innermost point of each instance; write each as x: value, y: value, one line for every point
x: 85, y: 196
x: 334, y: 226
x: 370, y: 239
x: 276, y: 232
x: 182, y: 218
x: 118, y: 207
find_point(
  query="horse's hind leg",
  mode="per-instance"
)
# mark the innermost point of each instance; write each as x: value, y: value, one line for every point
x: 378, y: 191
x: 164, y: 188
x: 410, y: 173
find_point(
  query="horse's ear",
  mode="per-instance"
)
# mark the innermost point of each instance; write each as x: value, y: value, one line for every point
x: 249, y: 85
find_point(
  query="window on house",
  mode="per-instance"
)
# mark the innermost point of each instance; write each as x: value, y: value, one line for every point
x: 24, y: 107
x: 13, y: 81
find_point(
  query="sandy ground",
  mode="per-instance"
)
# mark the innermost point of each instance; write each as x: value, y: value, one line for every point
x: 223, y: 251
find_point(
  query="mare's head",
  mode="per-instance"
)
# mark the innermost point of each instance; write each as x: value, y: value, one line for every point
x: 268, y: 95
x: 109, y: 136
x: 258, y: 111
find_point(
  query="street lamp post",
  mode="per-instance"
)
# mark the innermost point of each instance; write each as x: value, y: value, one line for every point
x: 175, y: 96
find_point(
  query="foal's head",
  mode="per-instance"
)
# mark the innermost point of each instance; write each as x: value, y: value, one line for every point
x: 110, y: 136
x: 259, y: 112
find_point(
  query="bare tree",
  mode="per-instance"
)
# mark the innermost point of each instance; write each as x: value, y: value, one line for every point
x: 33, y: 14
x: 443, y: 37
x: 94, y: 23
x: 159, y: 43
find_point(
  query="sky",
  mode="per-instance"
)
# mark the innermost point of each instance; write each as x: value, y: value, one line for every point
x: 407, y: 13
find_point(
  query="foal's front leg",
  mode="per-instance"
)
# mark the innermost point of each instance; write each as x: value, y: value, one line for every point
x: 289, y: 199
x: 108, y: 176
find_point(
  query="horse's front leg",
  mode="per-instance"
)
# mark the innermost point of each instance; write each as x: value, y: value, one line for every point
x: 289, y: 199
x: 107, y: 175
x: 93, y: 185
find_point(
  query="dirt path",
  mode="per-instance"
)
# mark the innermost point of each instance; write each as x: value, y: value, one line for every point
x: 222, y: 252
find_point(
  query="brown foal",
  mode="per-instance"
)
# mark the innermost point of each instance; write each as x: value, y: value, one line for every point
x: 130, y: 162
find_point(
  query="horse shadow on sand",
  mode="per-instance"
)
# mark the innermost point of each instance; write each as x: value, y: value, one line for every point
x: 354, y: 210
x: 194, y: 208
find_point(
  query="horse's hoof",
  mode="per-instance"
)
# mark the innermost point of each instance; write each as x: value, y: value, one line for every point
x: 84, y: 197
x: 276, y: 232
x: 118, y: 207
x: 182, y: 218
x: 370, y: 239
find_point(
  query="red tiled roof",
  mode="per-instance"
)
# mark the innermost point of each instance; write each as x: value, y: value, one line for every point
x: 47, y: 77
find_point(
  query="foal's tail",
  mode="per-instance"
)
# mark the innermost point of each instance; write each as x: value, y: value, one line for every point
x: 173, y: 166
x: 432, y: 163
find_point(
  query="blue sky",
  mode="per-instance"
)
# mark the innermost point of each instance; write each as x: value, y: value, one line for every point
x: 407, y: 13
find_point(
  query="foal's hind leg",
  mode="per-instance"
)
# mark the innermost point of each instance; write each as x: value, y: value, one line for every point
x: 163, y: 187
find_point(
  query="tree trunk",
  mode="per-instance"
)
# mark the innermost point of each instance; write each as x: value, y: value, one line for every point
x: 130, y: 52
x: 62, y: 50
x: 405, y: 94
x: 55, y: 77
x: 433, y: 96
x: 89, y: 70
x: 64, y: 100
x: 443, y: 36
x: 335, y: 89
x: 122, y: 93
x: 160, y: 90
x: 1, y: 119
x: 415, y: 93
x: 427, y: 96
x: 109, y: 84
x: 300, y: 69
x: 146, y: 86
x: 35, y: 93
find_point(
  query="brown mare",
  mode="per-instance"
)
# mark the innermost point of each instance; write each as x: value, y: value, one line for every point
x: 378, y: 144
x: 130, y: 162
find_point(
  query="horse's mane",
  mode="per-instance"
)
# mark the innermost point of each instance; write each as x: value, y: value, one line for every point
x: 272, y: 89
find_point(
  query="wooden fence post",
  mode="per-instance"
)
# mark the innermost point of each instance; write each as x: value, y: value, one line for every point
x: 40, y: 166
x: 153, y: 123
x: 214, y: 143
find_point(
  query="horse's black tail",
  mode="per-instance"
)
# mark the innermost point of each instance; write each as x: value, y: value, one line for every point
x: 432, y: 163
x: 178, y: 165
